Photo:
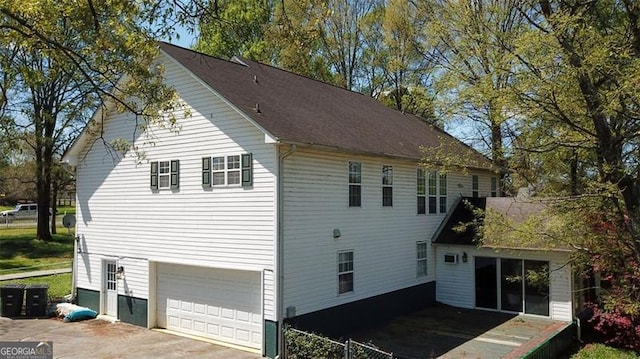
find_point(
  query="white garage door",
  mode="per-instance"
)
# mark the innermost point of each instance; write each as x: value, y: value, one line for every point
x: 215, y: 303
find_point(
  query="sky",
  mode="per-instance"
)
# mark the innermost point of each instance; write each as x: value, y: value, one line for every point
x: 186, y: 39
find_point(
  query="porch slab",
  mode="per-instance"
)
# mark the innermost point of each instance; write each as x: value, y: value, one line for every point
x: 447, y: 332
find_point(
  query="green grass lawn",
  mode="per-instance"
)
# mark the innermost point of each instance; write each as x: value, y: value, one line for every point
x: 59, y: 284
x: 20, y: 251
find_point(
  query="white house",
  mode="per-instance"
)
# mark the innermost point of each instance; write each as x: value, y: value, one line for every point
x: 280, y: 199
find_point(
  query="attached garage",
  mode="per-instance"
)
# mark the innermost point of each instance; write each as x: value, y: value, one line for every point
x: 220, y: 304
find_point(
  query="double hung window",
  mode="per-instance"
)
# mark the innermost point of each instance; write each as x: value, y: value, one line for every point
x: 355, y: 184
x: 345, y: 272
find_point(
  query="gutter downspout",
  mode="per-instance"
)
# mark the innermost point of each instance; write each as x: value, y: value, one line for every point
x: 280, y: 250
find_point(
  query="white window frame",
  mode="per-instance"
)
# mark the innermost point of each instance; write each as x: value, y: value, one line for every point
x: 345, y: 272
x: 442, y: 192
x: 229, y: 167
x: 387, y: 183
x: 355, y: 181
x: 475, y: 186
x: 164, y: 174
x: 421, y: 191
x: 422, y: 259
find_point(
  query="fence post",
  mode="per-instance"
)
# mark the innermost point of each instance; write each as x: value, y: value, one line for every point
x: 347, y: 349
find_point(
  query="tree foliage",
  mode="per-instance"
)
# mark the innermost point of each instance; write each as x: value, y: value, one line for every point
x: 239, y: 29
x: 470, y: 46
x: 59, y: 60
x: 369, y: 46
x: 555, y: 85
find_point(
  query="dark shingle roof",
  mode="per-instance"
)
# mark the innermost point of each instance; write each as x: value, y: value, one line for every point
x: 297, y: 109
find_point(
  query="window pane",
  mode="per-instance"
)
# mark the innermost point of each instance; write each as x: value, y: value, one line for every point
x: 421, y: 268
x: 511, y: 284
x: 164, y: 181
x: 432, y: 205
x: 233, y: 162
x: 421, y: 249
x: 355, y: 195
x: 443, y: 204
x: 443, y: 185
x: 344, y: 257
x: 475, y: 185
x: 345, y: 283
x: 387, y: 175
x: 420, y: 182
x: 233, y: 177
x: 218, y: 163
x: 536, y: 287
x: 387, y: 196
x: 486, y: 272
x: 421, y: 256
x: 355, y: 172
x: 432, y: 183
x: 164, y: 167
x: 218, y: 178
x: 422, y: 205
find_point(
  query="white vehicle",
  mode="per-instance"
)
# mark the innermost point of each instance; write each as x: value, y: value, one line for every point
x: 22, y: 211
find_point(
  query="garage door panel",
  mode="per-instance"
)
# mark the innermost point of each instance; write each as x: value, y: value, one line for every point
x: 213, y: 329
x: 221, y: 304
x: 213, y: 311
x: 199, y: 308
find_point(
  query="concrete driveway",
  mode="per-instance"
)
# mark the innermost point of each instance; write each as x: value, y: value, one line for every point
x: 101, y: 339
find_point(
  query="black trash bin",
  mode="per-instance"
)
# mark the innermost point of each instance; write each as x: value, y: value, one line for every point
x: 37, y: 299
x: 11, y: 296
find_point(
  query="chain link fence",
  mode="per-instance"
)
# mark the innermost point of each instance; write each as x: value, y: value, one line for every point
x: 303, y: 345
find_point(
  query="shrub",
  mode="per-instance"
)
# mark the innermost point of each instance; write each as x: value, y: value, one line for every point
x: 616, y: 328
x: 300, y: 345
x: 600, y: 351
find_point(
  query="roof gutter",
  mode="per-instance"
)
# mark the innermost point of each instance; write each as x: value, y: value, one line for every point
x: 330, y: 148
x: 280, y: 248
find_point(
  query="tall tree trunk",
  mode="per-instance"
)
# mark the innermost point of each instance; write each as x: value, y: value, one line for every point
x: 573, y: 174
x: 497, y: 152
x: 43, y: 186
x: 45, y: 126
x: 54, y: 203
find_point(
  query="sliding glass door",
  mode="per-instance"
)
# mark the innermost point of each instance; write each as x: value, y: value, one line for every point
x: 512, y: 285
x: 536, y: 287
x: 486, y: 284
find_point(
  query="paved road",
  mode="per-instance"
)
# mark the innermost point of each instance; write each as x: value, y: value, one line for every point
x: 37, y: 273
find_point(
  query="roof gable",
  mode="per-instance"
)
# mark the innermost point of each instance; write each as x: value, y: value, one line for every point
x: 297, y: 109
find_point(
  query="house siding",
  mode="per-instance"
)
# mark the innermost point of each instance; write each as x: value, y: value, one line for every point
x: 383, y: 238
x: 119, y: 216
x: 455, y: 283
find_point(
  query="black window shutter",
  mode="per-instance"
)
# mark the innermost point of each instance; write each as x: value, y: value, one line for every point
x: 206, y: 171
x: 247, y: 169
x: 154, y: 175
x: 175, y: 174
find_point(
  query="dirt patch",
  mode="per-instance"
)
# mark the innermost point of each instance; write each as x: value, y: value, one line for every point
x: 104, y: 328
